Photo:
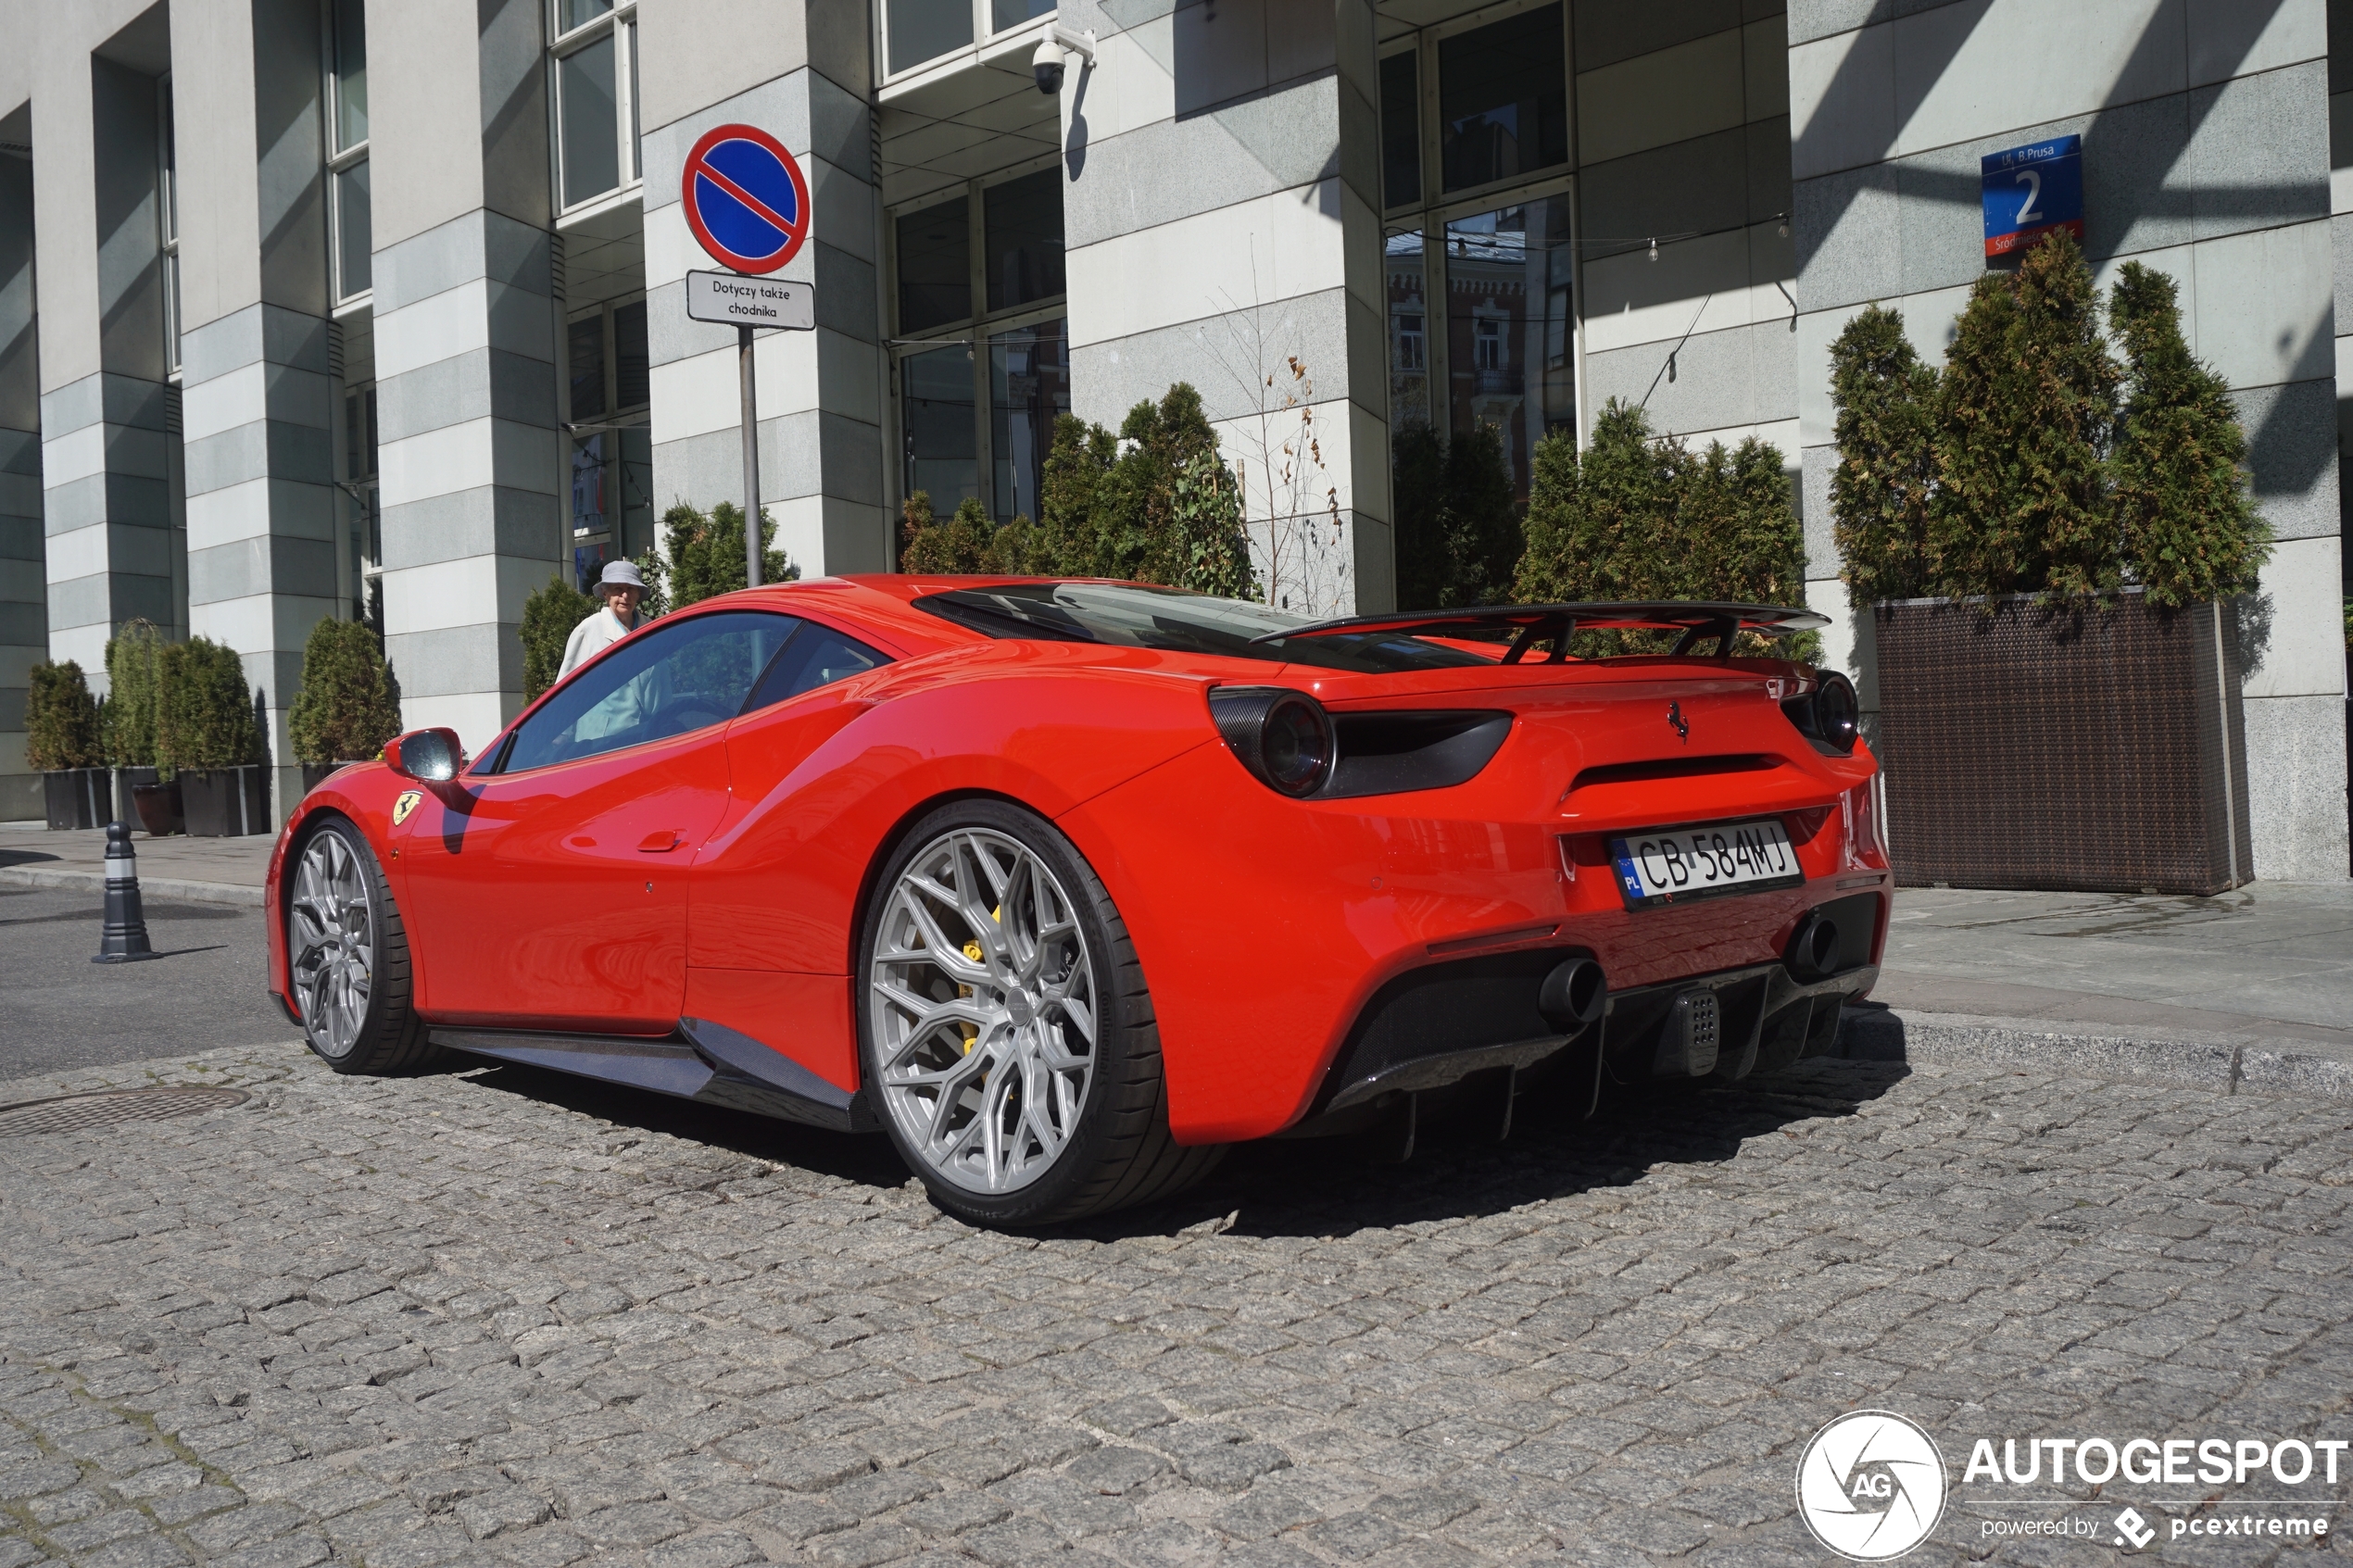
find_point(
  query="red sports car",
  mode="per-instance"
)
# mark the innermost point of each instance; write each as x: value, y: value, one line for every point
x: 1063, y: 886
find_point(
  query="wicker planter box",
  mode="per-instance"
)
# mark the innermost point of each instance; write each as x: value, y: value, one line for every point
x: 75, y: 797
x: 2097, y: 752
x: 225, y: 802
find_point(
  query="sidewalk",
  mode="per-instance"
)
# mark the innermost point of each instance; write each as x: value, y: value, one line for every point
x: 209, y: 871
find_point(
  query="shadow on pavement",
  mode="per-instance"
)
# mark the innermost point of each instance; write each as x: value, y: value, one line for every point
x: 1318, y: 1186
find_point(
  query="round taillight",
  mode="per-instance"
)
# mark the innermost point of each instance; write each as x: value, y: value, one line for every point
x: 1283, y: 737
x: 1837, y: 713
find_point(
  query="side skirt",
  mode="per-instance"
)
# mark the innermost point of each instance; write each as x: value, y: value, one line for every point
x: 702, y: 1061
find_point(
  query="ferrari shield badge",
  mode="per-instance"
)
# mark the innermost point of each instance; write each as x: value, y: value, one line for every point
x: 406, y: 804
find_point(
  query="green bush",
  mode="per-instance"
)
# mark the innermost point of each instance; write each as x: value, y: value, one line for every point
x: 1459, y: 537
x: 203, y: 710
x: 134, y: 659
x: 962, y: 544
x: 1634, y: 517
x: 61, y: 720
x: 2186, y: 526
x: 348, y: 704
x: 704, y: 552
x: 548, y: 616
x: 1886, y: 466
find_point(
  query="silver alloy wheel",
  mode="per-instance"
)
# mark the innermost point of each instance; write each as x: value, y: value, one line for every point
x: 331, y: 933
x: 985, y: 1014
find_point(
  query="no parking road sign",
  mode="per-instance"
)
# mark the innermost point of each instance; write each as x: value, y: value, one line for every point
x: 747, y: 200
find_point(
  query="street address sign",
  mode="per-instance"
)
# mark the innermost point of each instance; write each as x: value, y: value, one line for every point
x: 2031, y: 191
x: 738, y: 301
x: 747, y: 199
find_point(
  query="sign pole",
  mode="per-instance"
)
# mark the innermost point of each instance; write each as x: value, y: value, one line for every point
x: 752, y: 457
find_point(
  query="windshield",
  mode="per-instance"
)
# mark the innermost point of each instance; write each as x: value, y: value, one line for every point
x: 1171, y: 620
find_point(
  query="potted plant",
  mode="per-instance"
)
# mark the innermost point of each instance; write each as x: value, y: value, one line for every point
x: 62, y: 743
x: 142, y: 793
x: 206, y: 735
x: 2052, y: 542
x: 348, y: 704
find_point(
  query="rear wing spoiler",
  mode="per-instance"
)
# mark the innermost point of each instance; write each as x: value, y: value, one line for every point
x: 1699, y: 622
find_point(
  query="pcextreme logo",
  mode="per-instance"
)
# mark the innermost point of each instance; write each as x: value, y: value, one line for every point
x: 1871, y: 1485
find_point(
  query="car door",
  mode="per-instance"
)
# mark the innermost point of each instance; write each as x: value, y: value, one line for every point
x: 547, y: 889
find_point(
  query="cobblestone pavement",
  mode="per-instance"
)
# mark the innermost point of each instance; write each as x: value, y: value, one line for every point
x: 496, y: 1316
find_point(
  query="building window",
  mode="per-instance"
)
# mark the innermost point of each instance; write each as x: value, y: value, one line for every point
x: 366, y: 524
x: 607, y: 394
x: 1401, y: 131
x: 1508, y: 298
x: 347, y: 206
x: 1503, y: 100
x: 985, y: 371
x: 596, y: 81
x: 168, y: 221
x: 916, y: 32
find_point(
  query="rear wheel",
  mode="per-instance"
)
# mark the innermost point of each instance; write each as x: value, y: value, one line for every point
x: 347, y: 954
x: 1007, y: 1030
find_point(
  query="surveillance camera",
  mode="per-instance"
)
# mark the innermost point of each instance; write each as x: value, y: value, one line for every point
x: 1047, y: 66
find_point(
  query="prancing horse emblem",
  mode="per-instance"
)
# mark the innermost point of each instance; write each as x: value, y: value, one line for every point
x: 406, y: 804
x: 1682, y: 725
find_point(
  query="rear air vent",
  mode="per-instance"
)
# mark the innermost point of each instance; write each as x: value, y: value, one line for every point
x: 1674, y: 768
x: 1417, y: 749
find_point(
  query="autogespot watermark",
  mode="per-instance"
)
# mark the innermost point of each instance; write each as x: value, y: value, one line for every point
x: 1871, y: 1485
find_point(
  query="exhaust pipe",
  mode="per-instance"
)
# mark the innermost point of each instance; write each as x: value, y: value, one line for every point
x: 1813, y: 948
x: 1573, y: 996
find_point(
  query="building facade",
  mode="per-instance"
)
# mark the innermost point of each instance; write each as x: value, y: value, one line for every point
x: 374, y: 309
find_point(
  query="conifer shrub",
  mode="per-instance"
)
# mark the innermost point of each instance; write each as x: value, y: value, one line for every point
x: 135, y: 661
x: 2185, y: 523
x: 549, y: 615
x: 704, y: 552
x: 1458, y: 530
x: 1886, y: 465
x: 962, y: 544
x: 61, y: 720
x: 203, y: 710
x: 350, y: 702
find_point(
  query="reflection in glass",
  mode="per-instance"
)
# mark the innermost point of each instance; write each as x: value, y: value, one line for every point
x: 572, y: 13
x: 587, y: 107
x: 934, y: 267
x: 1510, y: 357
x: 1028, y: 389
x: 1408, y: 332
x: 170, y: 161
x: 632, y: 387
x: 636, y: 136
x: 351, y: 73
x: 942, y: 456
x: 1401, y: 131
x: 354, y: 245
x: 1004, y: 14
x: 919, y: 29
x: 1503, y: 100
x: 584, y: 348
x: 1024, y: 224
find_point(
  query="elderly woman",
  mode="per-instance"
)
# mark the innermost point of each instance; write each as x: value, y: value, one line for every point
x: 620, y: 588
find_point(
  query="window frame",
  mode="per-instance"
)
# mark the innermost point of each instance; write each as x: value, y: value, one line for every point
x: 338, y: 161
x: 618, y: 419
x: 167, y: 222
x: 620, y: 23
x: 983, y: 40
x: 978, y: 326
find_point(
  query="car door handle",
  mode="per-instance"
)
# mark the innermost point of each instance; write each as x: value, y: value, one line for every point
x: 661, y: 843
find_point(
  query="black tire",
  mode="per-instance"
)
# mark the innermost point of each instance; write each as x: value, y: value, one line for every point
x: 391, y: 1037
x: 1121, y: 1152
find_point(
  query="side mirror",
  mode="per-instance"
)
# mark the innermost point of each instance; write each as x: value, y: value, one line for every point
x: 432, y: 756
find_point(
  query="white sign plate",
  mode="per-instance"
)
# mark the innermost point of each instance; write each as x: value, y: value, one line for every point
x: 738, y: 301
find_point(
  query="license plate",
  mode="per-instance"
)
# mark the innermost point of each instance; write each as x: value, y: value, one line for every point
x: 1666, y: 865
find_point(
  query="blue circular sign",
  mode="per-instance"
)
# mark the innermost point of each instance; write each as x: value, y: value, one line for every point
x: 747, y: 199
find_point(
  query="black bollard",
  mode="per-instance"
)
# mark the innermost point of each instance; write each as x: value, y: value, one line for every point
x: 125, y: 937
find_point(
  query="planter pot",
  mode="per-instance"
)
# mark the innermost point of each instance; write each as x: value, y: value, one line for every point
x: 156, y: 807
x: 2078, y: 749
x: 225, y: 802
x: 126, y: 780
x: 76, y: 797
x: 316, y: 773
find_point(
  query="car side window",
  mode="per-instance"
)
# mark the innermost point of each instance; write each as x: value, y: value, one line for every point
x: 667, y: 680
x: 818, y: 657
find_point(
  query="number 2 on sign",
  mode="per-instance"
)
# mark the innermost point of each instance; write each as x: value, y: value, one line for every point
x: 2033, y: 183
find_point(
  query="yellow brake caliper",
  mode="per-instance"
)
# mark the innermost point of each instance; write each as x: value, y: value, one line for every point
x: 972, y: 951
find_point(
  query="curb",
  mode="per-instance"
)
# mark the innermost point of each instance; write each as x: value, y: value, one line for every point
x: 149, y: 886
x: 2217, y: 1064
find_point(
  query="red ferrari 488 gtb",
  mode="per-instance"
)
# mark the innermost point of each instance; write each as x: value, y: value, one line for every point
x: 1064, y: 885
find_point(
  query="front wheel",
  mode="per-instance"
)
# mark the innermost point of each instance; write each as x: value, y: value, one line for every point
x: 347, y: 956
x: 1006, y: 1028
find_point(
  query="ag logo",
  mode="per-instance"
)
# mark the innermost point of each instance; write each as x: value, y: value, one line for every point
x: 1871, y: 1485
x: 406, y: 804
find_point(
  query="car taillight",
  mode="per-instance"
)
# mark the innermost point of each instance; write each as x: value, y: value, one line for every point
x: 1865, y: 826
x: 1830, y: 715
x: 1282, y: 736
